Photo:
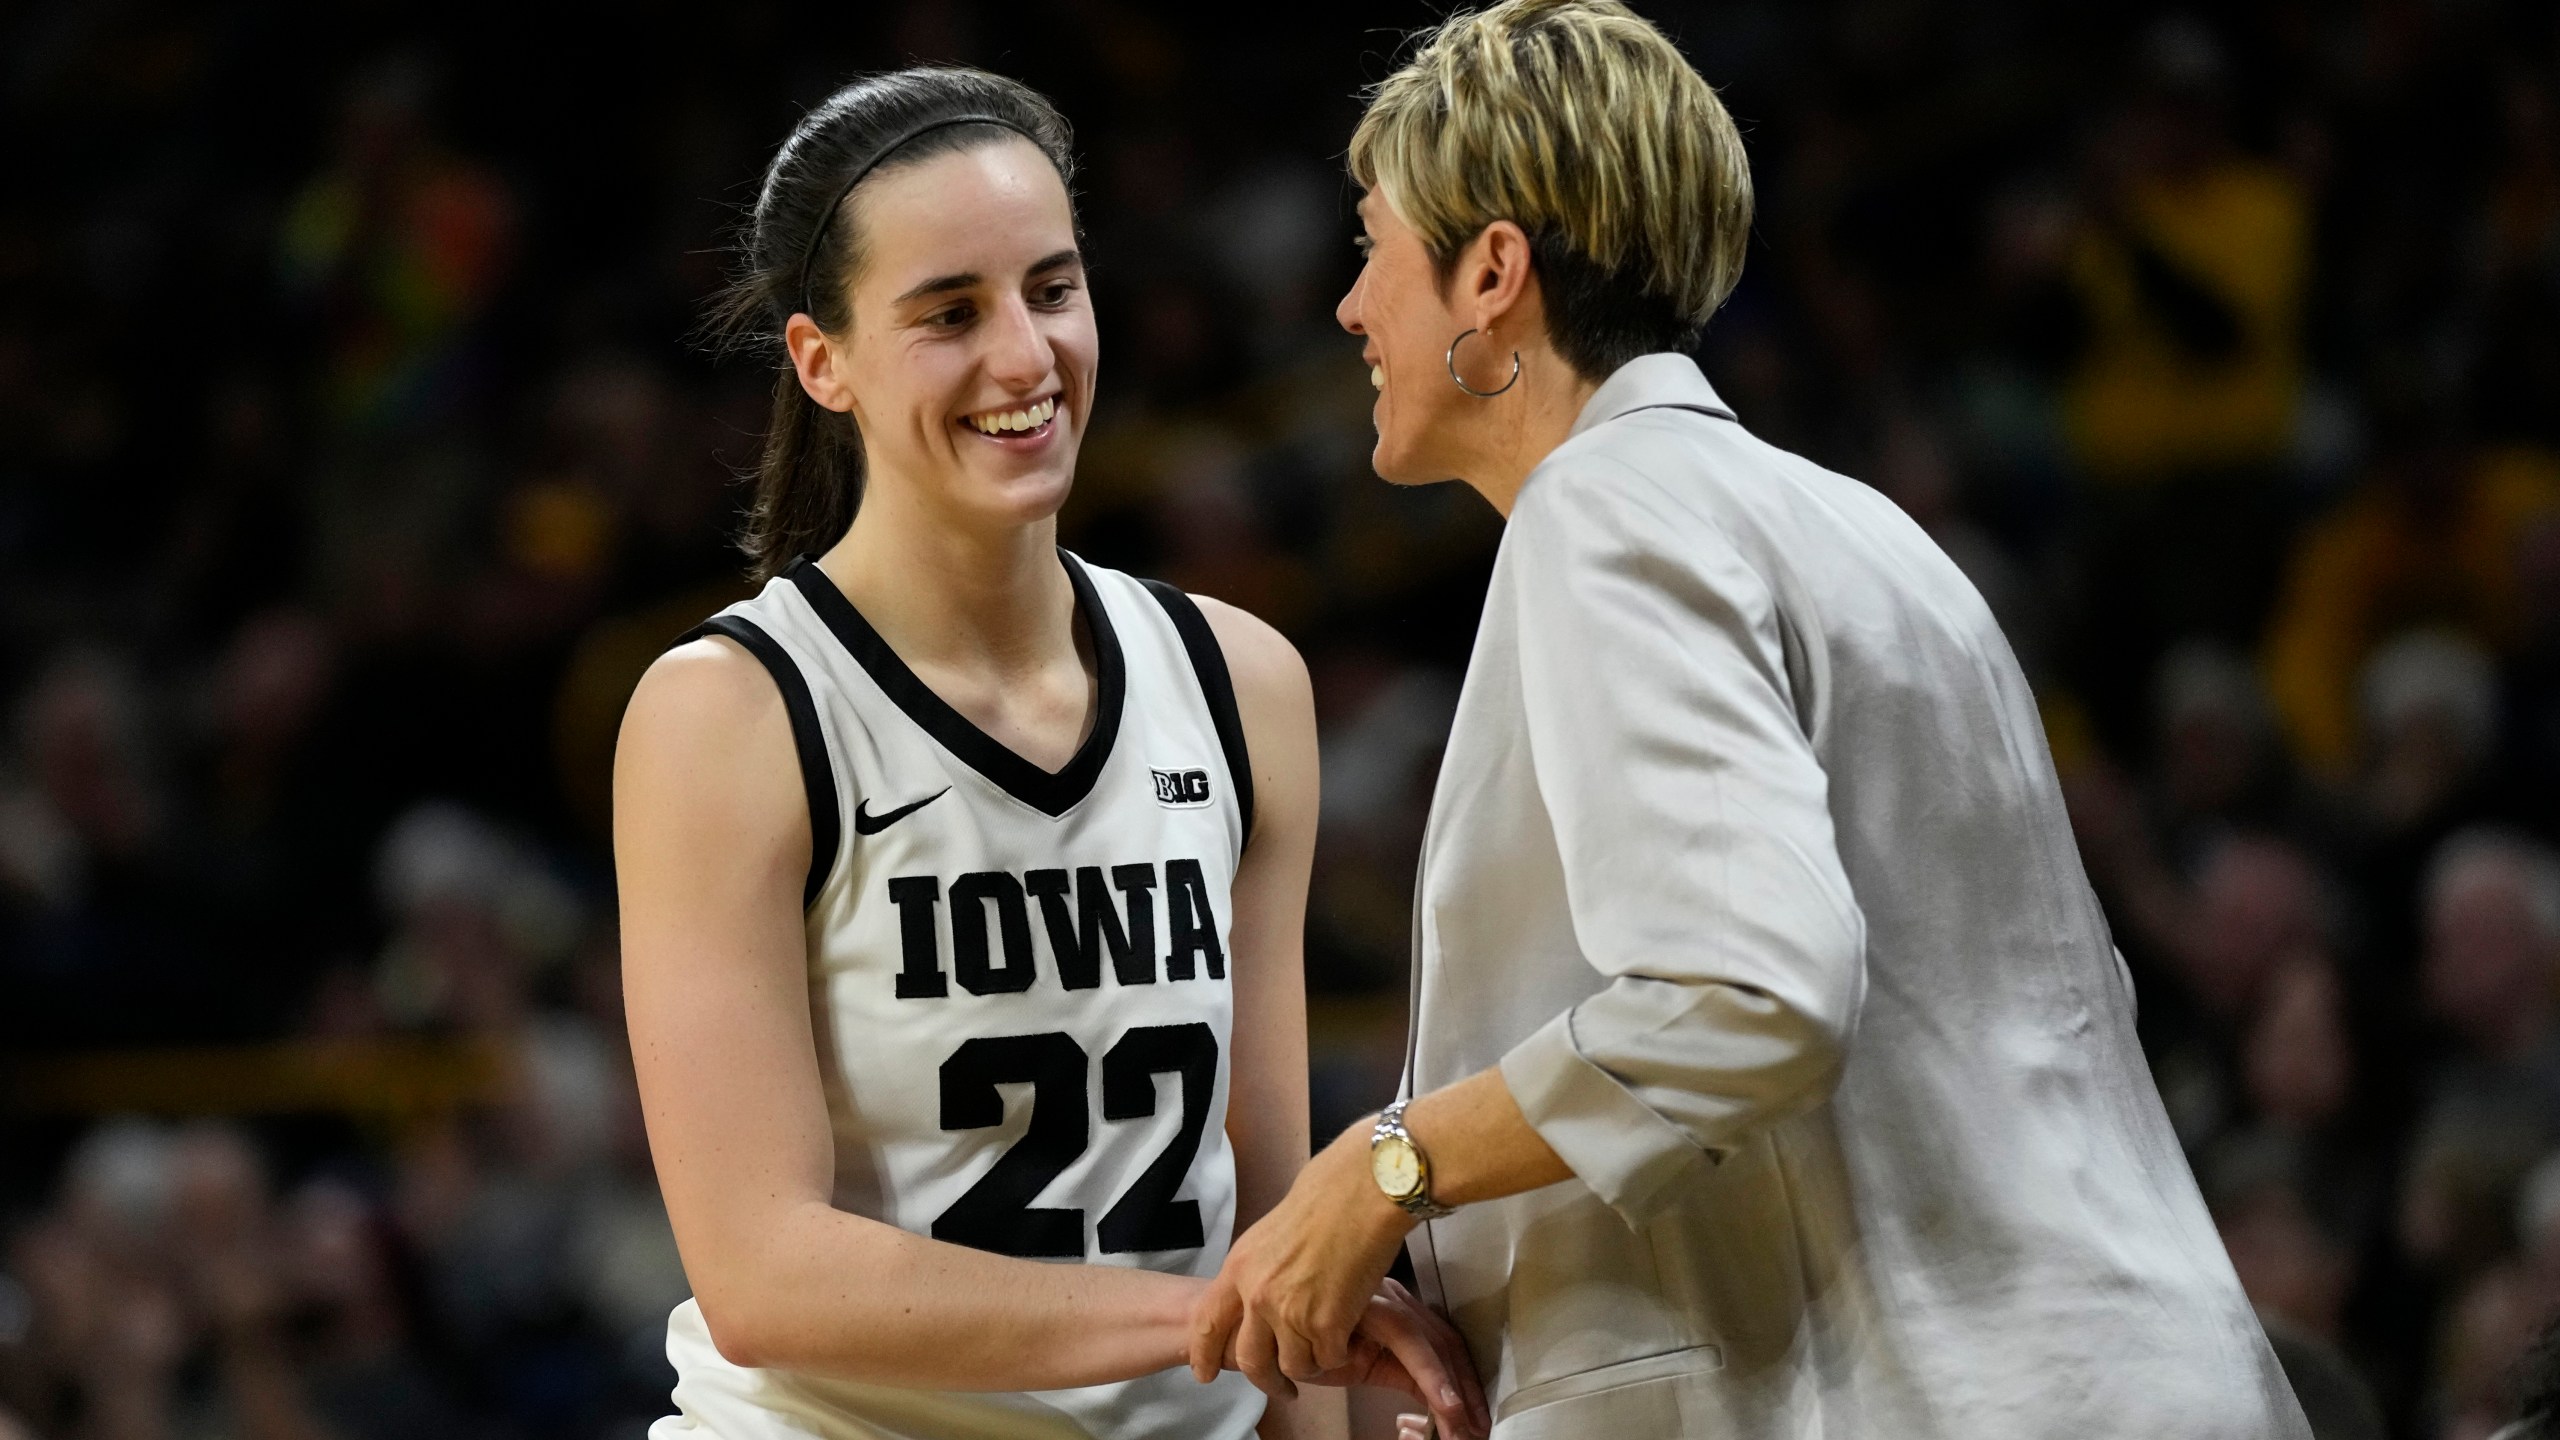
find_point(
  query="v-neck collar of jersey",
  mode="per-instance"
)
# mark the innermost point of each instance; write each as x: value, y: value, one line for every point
x: 1052, y: 793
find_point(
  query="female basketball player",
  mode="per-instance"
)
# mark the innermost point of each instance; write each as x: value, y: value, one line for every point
x: 962, y: 881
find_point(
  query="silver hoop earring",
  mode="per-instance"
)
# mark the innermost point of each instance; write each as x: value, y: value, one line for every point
x: 1470, y: 389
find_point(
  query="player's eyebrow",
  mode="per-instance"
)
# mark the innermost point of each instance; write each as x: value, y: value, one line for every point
x: 940, y: 284
x: 1059, y: 261
x: 969, y: 279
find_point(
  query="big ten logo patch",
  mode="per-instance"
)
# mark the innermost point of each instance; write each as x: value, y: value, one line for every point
x: 1182, y: 787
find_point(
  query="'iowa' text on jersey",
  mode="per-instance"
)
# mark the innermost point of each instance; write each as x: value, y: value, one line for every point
x: 1085, y: 917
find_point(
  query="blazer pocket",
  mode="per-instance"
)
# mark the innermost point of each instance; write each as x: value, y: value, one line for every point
x: 1670, y: 1364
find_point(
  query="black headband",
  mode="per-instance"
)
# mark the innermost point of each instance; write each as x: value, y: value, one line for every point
x: 827, y: 216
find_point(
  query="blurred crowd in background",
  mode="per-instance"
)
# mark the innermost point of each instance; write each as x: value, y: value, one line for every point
x: 357, y: 454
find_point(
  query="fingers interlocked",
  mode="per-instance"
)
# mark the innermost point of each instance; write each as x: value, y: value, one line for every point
x: 1395, y: 1342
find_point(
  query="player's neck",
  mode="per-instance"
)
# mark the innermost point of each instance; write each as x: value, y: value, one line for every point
x: 984, y: 600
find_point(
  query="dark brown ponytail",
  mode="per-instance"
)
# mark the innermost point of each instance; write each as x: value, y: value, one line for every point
x: 803, y: 230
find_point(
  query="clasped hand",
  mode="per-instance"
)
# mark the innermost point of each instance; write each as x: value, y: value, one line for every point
x: 1304, y: 1298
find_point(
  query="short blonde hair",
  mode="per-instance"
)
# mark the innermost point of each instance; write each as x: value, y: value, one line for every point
x: 1580, y: 122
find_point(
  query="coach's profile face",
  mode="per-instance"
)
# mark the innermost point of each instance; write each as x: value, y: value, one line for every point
x: 1399, y: 306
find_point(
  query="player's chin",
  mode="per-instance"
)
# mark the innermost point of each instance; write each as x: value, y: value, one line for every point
x: 1025, y: 494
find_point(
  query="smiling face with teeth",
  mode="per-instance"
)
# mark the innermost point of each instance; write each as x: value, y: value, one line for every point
x: 969, y: 362
x: 1401, y: 308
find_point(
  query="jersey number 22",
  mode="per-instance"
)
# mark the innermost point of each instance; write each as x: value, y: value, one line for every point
x: 997, y: 1214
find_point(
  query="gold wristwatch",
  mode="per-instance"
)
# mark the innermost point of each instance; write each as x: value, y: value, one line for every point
x: 1397, y: 1164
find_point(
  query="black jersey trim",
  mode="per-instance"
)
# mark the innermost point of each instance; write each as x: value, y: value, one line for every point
x: 817, y: 776
x: 1217, y: 686
x: 1051, y: 793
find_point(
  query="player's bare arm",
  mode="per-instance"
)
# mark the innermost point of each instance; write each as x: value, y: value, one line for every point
x: 711, y: 834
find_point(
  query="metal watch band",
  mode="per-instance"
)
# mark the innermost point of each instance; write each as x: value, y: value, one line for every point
x: 1419, y: 1205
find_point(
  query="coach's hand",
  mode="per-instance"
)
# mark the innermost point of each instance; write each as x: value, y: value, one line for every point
x: 1400, y: 1344
x: 1297, y: 1285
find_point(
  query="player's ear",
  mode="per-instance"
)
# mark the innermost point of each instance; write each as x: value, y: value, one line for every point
x: 816, y: 359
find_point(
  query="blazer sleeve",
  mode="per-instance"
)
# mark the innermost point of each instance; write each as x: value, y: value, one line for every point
x: 1692, y: 818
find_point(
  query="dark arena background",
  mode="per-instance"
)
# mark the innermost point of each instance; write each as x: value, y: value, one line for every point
x: 356, y: 456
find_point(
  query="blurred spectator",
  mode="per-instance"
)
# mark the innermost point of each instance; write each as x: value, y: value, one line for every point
x: 395, y: 252
x: 2430, y: 723
x: 398, y: 247
x: 1212, y: 540
x: 2492, y: 904
x: 2428, y: 717
x: 1272, y: 230
x: 2189, y: 270
x: 101, y: 926
x: 2255, y: 902
x: 2218, y: 760
x: 1380, y: 727
x: 2430, y: 539
x: 2181, y: 346
x: 2298, y: 1061
x: 276, y: 813
x: 363, y: 1373
x: 2292, y: 1265
x: 2489, y: 1331
x: 173, y: 1298
x: 2493, y: 946
x: 93, y: 803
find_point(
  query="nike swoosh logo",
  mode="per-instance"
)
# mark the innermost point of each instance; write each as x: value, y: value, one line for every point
x: 866, y: 823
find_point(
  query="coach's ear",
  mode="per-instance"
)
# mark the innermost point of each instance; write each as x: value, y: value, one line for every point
x: 1494, y: 281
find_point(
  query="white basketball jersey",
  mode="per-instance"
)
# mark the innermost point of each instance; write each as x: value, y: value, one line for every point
x: 1019, y: 981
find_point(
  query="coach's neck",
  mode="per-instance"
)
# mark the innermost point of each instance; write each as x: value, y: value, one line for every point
x: 1516, y: 430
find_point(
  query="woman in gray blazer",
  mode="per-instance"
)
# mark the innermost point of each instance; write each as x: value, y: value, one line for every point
x: 1772, y: 1071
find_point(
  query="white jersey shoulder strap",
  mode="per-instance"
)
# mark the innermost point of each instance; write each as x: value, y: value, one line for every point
x: 817, y: 775
x: 1217, y: 688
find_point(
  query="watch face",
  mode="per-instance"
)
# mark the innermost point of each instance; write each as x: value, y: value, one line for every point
x: 1396, y: 1168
